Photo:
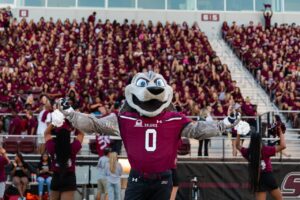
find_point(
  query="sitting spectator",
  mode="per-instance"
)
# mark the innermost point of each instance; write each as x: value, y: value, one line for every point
x: 19, y: 174
x: 272, y: 55
x: 44, y: 174
x: 113, y: 170
x: 89, y: 69
x: 4, y: 160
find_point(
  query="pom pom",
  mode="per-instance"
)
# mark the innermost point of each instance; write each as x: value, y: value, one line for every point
x: 242, y: 128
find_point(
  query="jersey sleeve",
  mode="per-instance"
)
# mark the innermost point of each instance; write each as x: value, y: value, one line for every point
x: 76, y: 146
x: 184, y: 120
x: 269, y: 151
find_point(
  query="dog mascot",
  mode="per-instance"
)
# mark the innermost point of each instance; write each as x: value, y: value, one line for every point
x: 150, y: 129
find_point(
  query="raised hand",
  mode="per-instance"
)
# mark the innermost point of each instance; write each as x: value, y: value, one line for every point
x: 232, y: 120
x: 64, y: 106
x: 64, y: 103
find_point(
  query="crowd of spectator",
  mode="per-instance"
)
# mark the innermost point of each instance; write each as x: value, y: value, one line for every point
x: 91, y: 61
x: 272, y: 56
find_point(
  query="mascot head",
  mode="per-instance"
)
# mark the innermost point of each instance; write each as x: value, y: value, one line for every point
x: 148, y: 93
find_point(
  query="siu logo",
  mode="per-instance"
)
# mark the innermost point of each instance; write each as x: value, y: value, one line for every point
x: 290, y: 186
x: 138, y: 123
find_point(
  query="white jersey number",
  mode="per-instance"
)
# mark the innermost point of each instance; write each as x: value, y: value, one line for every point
x: 147, y: 140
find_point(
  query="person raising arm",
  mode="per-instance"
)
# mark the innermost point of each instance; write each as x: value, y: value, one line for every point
x: 259, y: 165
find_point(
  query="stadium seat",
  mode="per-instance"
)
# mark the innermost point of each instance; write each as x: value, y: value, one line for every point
x: 27, y: 145
x: 11, y: 145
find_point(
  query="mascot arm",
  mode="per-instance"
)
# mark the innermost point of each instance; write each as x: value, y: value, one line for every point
x: 90, y: 124
x: 205, y: 129
x: 201, y: 130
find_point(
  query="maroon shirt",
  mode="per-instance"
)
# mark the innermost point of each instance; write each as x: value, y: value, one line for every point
x: 15, y: 126
x: 3, y: 162
x: 267, y: 152
x: 32, y: 124
x: 149, y: 141
x: 50, y: 146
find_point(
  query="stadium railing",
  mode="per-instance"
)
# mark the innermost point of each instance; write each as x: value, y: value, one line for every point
x: 220, y: 147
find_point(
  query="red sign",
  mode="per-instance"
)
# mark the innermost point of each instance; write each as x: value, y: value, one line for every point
x: 23, y: 13
x: 210, y: 17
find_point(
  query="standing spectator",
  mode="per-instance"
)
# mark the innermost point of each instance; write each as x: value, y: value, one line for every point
x: 31, y: 123
x: 268, y: 15
x: 7, y: 15
x: 44, y: 174
x: 20, y: 174
x: 102, y: 182
x: 249, y: 109
x: 4, y: 160
x: 15, y: 125
x: 205, y: 116
x: 63, y: 156
x: 44, y: 119
x: 113, y: 171
x: 92, y: 18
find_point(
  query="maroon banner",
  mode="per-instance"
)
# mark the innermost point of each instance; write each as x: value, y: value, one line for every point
x: 229, y: 181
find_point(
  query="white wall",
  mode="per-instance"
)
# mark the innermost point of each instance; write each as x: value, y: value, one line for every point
x: 211, y: 28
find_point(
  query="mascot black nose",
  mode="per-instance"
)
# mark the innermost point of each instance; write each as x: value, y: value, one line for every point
x: 155, y: 90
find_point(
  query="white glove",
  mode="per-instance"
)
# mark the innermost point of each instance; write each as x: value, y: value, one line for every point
x: 64, y: 107
x: 232, y: 120
x: 242, y: 128
x: 58, y: 118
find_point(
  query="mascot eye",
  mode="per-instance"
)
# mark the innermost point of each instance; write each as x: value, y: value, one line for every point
x: 160, y: 83
x: 141, y: 83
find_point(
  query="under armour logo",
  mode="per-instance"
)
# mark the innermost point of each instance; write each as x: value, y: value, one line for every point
x: 158, y: 121
x: 164, y: 182
x: 135, y: 180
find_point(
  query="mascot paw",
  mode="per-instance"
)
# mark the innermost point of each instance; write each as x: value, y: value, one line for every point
x: 64, y: 103
x: 242, y: 128
x: 232, y: 120
x: 58, y: 118
x: 64, y: 106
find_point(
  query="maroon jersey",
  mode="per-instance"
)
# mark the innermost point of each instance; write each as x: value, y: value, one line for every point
x: 151, y: 143
x: 267, y: 152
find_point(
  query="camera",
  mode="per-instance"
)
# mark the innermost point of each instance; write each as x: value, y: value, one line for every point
x: 273, y: 129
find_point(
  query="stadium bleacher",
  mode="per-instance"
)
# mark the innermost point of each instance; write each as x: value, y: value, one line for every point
x: 272, y: 56
x: 59, y: 58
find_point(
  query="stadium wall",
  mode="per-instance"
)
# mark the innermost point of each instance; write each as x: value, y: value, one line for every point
x: 229, y: 180
x: 211, y: 28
